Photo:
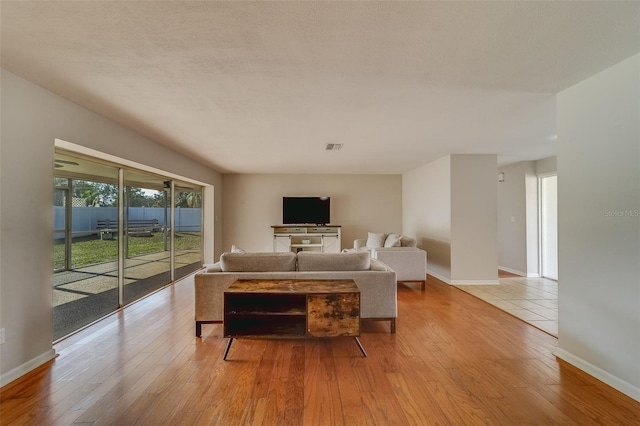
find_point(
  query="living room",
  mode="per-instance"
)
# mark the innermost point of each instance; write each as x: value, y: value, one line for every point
x: 599, y: 297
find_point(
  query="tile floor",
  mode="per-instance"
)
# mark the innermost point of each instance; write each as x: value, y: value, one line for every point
x: 533, y: 300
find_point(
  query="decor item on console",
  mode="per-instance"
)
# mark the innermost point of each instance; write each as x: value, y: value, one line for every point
x: 376, y: 281
x: 399, y: 252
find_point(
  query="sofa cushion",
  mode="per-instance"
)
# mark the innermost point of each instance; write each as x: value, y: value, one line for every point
x: 310, y: 261
x: 375, y: 240
x: 408, y: 241
x: 393, y: 240
x: 258, y: 262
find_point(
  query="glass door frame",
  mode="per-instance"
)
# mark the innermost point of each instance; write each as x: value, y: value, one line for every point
x: 66, y: 191
x: 542, y: 220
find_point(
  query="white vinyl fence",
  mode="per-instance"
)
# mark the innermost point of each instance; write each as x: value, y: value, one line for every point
x: 85, y: 219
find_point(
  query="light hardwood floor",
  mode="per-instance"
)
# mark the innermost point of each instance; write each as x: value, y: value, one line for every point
x: 454, y: 360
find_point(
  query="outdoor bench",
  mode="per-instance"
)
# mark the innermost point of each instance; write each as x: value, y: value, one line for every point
x: 135, y: 228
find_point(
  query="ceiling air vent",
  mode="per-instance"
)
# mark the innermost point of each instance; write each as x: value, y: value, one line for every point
x: 333, y: 147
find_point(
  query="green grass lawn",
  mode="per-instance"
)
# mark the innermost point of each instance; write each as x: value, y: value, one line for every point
x: 91, y: 250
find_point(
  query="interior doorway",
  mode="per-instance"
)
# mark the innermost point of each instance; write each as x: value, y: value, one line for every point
x: 549, y: 226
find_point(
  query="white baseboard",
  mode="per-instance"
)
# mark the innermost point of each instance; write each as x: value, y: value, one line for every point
x: 475, y: 282
x: 438, y: 276
x: 600, y: 374
x: 462, y: 282
x: 512, y: 271
x: 521, y: 273
x: 23, y: 369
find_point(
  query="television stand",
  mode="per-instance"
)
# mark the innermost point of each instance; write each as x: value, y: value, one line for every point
x: 296, y: 238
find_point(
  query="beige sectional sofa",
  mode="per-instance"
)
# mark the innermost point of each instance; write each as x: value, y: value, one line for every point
x: 376, y: 281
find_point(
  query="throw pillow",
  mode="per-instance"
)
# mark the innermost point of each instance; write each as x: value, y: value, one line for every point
x: 375, y: 240
x: 236, y: 249
x: 393, y: 240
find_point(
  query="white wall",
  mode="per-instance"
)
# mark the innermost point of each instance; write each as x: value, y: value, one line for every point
x: 474, y: 240
x: 518, y: 242
x: 252, y: 203
x: 426, y: 213
x: 32, y: 118
x: 599, y: 225
x: 449, y: 205
x: 547, y: 166
x: 514, y: 216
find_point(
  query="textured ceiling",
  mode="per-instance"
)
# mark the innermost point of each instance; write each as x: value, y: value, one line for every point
x: 261, y: 87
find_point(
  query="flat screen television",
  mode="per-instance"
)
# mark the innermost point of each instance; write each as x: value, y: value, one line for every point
x: 306, y: 210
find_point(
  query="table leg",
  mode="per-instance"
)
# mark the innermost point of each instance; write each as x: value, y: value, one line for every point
x: 226, y: 350
x: 360, y: 346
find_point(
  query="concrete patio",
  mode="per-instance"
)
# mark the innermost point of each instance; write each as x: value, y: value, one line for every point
x: 83, y: 295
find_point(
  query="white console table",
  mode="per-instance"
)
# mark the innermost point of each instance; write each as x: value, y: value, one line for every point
x: 324, y: 239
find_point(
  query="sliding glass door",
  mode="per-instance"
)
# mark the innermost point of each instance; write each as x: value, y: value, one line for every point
x: 147, y: 260
x: 188, y: 228
x: 85, y: 281
x: 119, y: 234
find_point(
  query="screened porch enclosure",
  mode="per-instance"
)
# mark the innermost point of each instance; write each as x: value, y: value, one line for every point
x: 119, y: 234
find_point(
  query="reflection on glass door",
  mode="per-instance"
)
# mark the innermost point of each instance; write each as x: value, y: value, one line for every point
x: 147, y: 260
x: 188, y: 228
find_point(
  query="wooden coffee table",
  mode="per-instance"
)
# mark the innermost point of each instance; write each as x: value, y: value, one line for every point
x: 292, y: 309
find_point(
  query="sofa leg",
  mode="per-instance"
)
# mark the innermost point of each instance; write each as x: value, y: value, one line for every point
x: 424, y: 283
x: 393, y: 325
x: 199, y: 326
